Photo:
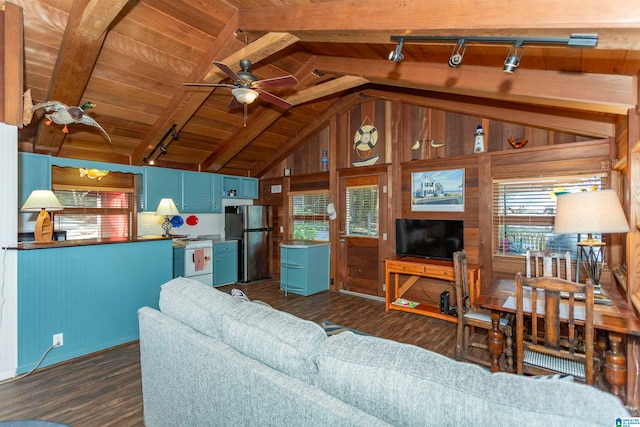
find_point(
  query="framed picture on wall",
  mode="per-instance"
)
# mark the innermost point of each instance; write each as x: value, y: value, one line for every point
x: 438, y: 191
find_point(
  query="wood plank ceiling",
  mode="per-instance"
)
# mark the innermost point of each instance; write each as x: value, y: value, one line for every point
x: 131, y: 57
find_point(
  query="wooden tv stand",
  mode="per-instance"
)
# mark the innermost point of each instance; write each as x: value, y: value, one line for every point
x: 416, y: 268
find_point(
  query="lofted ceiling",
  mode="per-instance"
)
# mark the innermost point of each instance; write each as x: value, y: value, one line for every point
x: 132, y: 57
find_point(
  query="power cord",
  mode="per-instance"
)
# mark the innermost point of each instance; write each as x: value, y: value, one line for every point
x: 2, y: 301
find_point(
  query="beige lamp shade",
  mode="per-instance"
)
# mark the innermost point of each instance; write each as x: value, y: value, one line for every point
x: 167, y: 207
x: 590, y: 212
x: 42, y: 201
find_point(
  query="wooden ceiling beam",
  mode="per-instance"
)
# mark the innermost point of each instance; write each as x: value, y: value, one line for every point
x: 188, y: 100
x: 338, y: 107
x: 603, y: 93
x: 579, y: 123
x: 373, y: 21
x: 81, y: 44
x: 327, y: 88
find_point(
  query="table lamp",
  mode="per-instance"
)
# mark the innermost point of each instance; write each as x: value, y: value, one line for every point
x: 167, y: 208
x: 42, y: 201
x: 590, y: 212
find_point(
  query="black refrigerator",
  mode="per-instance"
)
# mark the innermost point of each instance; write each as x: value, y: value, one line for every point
x: 251, y: 225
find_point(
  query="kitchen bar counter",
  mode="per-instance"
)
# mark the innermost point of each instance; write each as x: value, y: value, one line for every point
x: 303, y: 244
x: 86, y: 242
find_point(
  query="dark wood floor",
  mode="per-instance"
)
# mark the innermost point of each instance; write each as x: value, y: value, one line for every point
x: 105, y: 389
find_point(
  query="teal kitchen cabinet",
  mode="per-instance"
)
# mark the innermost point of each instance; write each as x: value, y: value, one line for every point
x: 225, y: 262
x: 217, y: 192
x: 197, y: 192
x: 34, y: 174
x: 160, y: 183
x: 239, y: 187
x: 178, y: 261
x: 304, y: 267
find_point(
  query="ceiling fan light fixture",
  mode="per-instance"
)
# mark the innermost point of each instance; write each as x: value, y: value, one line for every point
x: 244, y: 95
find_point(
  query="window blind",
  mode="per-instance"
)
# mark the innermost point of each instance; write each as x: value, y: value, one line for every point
x: 94, y: 213
x: 362, y: 211
x: 524, y: 212
x: 308, y: 215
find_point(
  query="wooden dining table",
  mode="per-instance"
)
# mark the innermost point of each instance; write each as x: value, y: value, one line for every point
x: 614, y: 321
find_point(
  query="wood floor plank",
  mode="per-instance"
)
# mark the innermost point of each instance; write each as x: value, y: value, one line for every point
x: 105, y: 389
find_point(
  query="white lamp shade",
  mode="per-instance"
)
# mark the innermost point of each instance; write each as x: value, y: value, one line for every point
x: 167, y: 207
x: 244, y: 95
x: 41, y: 199
x: 590, y: 212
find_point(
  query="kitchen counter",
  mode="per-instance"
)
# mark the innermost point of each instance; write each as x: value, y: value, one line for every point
x: 86, y: 242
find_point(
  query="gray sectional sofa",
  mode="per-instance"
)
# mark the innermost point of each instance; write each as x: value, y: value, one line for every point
x: 210, y: 360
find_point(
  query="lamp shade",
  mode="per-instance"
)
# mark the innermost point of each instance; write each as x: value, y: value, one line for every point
x: 41, y: 199
x: 167, y: 207
x: 244, y: 95
x: 590, y: 212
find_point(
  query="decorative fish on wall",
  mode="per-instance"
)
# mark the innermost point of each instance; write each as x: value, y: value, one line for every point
x: 59, y: 113
x: 93, y: 173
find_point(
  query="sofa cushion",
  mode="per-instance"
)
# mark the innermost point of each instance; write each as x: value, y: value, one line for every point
x: 277, y: 339
x: 196, y: 305
x: 406, y: 385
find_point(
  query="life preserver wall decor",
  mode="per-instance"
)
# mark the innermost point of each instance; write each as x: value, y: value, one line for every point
x: 364, y: 140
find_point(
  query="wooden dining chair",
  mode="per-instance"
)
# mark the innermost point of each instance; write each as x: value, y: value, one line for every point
x: 548, y: 264
x: 546, y: 351
x: 469, y: 316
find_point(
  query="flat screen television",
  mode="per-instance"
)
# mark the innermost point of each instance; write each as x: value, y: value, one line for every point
x: 429, y: 238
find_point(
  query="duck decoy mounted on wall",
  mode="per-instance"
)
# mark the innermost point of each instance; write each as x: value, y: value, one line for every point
x: 57, y: 112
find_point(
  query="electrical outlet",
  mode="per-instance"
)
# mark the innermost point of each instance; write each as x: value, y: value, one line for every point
x: 58, y: 340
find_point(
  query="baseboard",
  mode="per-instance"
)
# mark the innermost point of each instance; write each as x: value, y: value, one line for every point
x: 358, y: 294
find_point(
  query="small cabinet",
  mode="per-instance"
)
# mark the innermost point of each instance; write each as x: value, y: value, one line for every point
x: 34, y: 174
x: 304, y: 268
x: 225, y: 262
x: 240, y: 187
x: 178, y: 261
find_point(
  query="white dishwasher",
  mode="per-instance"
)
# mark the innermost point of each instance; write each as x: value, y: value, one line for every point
x: 198, y: 259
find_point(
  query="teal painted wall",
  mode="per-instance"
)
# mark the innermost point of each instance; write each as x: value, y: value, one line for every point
x: 91, y: 294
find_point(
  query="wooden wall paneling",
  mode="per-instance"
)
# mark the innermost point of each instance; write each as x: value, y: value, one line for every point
x: 472, y: 201
x: 379, y: 120
x: 485, y: 221
x: 420, y: 131
x: 500, y: 132
x: 536, y: 137
x: 344, y: 141
x: 460, y: 130
x: 437, y: 132
x: 632, y: 204
x: 333, y: 133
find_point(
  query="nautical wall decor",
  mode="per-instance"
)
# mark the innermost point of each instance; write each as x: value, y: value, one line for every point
x: 364, y: 140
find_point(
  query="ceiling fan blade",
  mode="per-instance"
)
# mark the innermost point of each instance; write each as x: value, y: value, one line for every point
x: 275, y: 82
x: 269, y: 97
x: 228, y: 71
x: 210, y: 85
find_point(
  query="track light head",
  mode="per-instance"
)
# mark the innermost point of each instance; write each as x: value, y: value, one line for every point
x: 457, y: 54
x: 396, y: 55
x: 513, y: 58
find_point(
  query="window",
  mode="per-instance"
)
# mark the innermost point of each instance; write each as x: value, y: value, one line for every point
x: 94, y: 213
x: 309, y: 219
x: 362, y: 211
x: 524, y: 211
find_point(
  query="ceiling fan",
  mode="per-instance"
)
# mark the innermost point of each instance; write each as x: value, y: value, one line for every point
x: 246, y: 87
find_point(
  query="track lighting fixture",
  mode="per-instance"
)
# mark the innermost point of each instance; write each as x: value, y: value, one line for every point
x: 396, y: 55
x: 513, y: 57
x: 457, y: 54
x: 515, y: 52
x: 150, y: 159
